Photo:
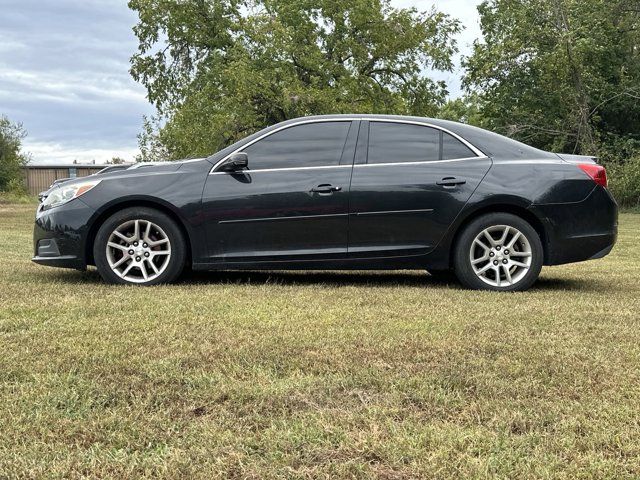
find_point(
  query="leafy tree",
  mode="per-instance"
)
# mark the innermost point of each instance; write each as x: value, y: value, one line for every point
x: 151, y: 147
x: 465, y: 109
x: 217, y: 70
x: 11, y: 157
x: 559, y: 74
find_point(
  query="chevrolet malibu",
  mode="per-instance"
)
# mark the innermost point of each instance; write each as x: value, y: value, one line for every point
x: 338, y: 192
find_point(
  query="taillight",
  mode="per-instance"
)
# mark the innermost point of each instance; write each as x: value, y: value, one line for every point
x: 596, y: 172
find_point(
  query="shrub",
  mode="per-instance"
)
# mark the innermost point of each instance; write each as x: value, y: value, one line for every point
x: 16, y: 186
x: 11, y: 156
x: 624, y: 182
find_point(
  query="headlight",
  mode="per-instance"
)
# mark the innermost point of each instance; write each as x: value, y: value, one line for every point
x: 63, y: 194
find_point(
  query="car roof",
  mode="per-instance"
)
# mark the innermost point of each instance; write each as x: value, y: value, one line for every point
x: 490, y: 143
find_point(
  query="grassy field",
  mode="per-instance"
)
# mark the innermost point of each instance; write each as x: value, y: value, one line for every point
x: 318, y: 375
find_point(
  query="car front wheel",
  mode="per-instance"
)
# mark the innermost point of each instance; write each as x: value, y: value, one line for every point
x: 498, y: 251
x: 139, y: 246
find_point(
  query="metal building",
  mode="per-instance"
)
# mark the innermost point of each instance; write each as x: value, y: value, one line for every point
x: 40, y: 177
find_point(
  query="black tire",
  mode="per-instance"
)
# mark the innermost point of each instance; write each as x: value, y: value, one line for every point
x: 462, y: 252
x: 177, y: 243
x: 446, y: 275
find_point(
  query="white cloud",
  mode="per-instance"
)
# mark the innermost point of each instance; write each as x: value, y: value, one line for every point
x: 64, y: 73
x: 54, y: 87
x: 46, y: 152
x: 10, y: 45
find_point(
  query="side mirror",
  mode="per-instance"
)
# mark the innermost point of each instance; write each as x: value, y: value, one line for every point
x: 236, y: 162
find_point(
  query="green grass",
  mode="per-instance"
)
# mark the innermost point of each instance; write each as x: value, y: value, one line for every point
x: 318, y: 375
x: 7, y: 198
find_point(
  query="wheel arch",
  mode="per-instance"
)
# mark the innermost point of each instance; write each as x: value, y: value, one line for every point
x: 155, y: 204
x: 517, y: 209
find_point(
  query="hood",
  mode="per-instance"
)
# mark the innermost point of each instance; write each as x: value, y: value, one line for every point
x: 142, y: 168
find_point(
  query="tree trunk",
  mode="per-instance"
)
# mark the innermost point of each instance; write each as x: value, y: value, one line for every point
x: 585, y: 140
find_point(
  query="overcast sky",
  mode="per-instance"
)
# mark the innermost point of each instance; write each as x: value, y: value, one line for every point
x: 64, y: 74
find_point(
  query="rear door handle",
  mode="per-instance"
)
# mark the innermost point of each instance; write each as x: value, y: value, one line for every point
x: 325, y: 189
x: 451, y: 182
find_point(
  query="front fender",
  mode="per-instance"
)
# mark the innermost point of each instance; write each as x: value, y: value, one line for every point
x: 179, y: 194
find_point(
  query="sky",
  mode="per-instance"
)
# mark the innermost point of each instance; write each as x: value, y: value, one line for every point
x: 64, y: 74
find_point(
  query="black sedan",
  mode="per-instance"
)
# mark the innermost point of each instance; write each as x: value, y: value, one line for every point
x: 339, y: 192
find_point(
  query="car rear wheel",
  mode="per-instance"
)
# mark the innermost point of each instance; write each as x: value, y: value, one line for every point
x: 139, y: 246
x: 498, y: 251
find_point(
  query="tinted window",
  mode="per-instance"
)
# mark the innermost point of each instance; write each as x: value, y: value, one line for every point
x: 401, y: 142
x: 309, y: 145
x: 453, y: 148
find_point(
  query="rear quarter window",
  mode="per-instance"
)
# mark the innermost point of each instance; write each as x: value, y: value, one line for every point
x: 452, y: 148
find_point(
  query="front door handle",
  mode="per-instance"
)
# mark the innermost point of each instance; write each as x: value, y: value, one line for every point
x: 451, y: 182
x: 325, y: 189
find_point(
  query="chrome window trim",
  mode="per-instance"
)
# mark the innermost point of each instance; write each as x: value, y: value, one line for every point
x: 475, y: 150
x: 258, y: 170
x: 426, y: 162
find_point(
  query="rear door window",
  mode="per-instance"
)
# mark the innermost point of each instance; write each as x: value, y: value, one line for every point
x: 402, y: 143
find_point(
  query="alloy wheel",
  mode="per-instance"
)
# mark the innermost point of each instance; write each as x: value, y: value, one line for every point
x: 138, y: 251
x: 501, y: 255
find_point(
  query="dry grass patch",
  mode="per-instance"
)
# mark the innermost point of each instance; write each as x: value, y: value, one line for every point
x: 318, y: 375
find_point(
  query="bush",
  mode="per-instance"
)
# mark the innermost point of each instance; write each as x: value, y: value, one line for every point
x: 16, y: 186
x: 11, y: 156
x: 624, y: 182
x: 13, y: 199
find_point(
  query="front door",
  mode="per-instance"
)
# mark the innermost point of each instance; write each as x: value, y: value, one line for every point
x: 291, y: 204
x: 409, y: 183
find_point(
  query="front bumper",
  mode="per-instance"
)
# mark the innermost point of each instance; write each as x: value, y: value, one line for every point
x: 580, y: 231
x: 60, y: 235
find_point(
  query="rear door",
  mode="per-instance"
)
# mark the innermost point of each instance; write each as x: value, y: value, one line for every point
x: 292, y: 202
x: 409, y: 183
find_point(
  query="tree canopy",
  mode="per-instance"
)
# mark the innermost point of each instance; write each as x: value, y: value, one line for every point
x: 563, y: 75
x: 217, y: 70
